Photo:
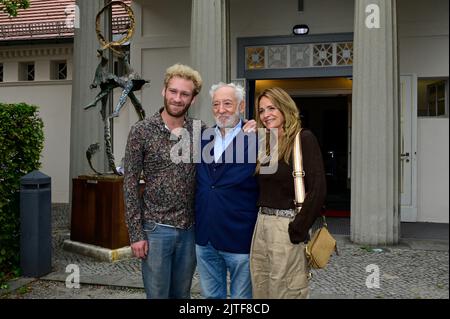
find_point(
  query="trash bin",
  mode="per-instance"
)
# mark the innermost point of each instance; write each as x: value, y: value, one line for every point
x: 35, y: 225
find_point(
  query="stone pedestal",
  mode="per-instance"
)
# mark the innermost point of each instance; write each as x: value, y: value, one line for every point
x: 98, y: 212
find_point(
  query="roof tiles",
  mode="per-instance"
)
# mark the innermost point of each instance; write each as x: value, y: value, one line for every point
x: 43, y: 19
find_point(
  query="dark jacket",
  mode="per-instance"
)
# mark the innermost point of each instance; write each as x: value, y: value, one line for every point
x: 225, y: 199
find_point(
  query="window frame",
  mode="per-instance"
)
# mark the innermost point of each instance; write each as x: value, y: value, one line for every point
x: 432, y: 98
x: 25, y: 72
x: 56, y: 70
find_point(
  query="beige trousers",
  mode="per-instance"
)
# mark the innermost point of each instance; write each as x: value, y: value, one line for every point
x: 278, y: 268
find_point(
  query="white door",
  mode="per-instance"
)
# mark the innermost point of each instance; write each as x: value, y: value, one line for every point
x: 408, y: 147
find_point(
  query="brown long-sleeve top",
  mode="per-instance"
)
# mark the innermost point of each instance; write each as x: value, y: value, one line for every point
x: 277, y: 190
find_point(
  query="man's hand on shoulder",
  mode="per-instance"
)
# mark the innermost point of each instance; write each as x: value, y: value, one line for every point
x: 249, y: 126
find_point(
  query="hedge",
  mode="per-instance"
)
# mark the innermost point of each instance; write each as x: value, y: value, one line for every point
x: 21, y: 143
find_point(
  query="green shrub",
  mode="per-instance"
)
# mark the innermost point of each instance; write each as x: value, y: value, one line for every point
x: 21, y: 143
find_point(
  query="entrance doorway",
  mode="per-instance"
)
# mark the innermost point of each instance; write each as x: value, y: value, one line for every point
x: 328, y: 118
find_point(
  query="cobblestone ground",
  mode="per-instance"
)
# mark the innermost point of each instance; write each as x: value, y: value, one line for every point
x: 44, y: 289
x: 403, y: 273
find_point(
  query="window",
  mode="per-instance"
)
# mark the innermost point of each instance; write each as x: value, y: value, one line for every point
x: 27, y: 71
x: 432, y: 97
x: 1, y: 72
x: 58, y: 70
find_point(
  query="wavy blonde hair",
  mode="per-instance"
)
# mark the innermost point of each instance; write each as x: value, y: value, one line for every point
x: 184, y: 72
x: 292, y: 124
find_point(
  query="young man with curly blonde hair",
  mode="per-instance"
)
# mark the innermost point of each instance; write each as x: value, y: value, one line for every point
x: 160, y: 225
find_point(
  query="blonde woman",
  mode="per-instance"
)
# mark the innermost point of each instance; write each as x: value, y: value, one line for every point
x: 278, y: 263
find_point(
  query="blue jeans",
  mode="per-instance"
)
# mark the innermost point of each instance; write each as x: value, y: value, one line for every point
x: 213, y: 265
x: 170, y: 264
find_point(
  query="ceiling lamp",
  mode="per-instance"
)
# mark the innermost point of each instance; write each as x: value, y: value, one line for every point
x: 300, y: 29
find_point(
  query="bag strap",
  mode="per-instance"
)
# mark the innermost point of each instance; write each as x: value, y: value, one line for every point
x: 298, y: 173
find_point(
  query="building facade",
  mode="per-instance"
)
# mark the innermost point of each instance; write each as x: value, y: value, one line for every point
x: 36, y: 67
x: 370, y: 79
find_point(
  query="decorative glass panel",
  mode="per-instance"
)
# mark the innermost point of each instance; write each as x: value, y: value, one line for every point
x: 323, y: 54
x: 277, y: 57
x: 254, y: 57
x: 344, y: 54
x: 300, y: 55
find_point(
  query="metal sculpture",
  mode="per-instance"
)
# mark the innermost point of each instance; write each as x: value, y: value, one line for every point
x: 129, y: 82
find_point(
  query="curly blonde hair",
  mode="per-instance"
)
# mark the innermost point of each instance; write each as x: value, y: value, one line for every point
x: 292, y: 124
x: 184, y: 72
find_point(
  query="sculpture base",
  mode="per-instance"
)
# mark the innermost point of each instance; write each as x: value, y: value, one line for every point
x: 103, y: 177
x: 98, y: 211
x: 96, y: 252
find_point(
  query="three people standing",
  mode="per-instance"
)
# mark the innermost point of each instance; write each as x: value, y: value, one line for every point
x: 227, y: 193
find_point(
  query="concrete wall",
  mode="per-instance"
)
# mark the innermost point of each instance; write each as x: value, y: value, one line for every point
x: 423, y: 37
x: 53, y: 97
x: 162, y: 38
x: 53, y: 101
x: 424, y: 51
x: 433, y: 170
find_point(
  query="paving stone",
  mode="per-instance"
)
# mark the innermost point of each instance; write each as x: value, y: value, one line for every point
x: 415, y: 269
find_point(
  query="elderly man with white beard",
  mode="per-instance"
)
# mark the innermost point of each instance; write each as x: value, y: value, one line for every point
x: 225, y: 199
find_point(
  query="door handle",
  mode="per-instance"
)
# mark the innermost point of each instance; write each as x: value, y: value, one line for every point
x: 405, y: 156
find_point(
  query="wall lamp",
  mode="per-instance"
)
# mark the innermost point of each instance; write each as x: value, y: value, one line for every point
x: 300, y: 29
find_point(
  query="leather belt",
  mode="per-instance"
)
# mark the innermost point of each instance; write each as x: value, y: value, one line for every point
x: 289, y: 213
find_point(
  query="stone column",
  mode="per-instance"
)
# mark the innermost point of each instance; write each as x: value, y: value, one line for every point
x: 209, y: 50
x: 375, y: 195
x: 86, y: 125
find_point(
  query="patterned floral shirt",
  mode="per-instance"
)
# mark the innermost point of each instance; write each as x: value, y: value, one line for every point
x: 168, y: 196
